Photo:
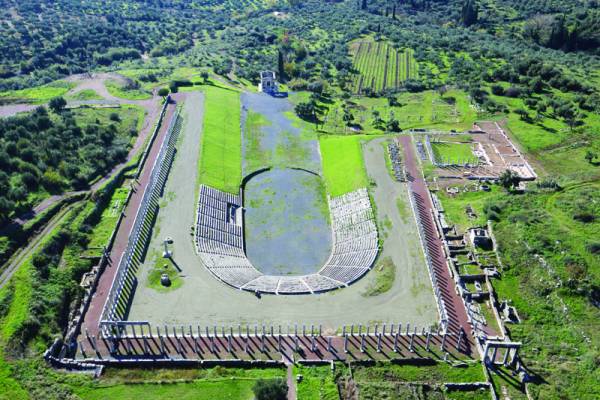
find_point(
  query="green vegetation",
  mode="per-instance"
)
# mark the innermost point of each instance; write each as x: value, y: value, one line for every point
x: 318, y: 383
x: 126, y: 91
x: 45, y: 153
x: 221, y: 157
x: 392, y: 381
x: 455, y: 205
x: 86, y: 94
x: 450, y: 153
x: 547, y: 245
x: 343, y: 164
x: 380, y: 66
x: 36, y: 95
x: 104, y: 228
x: 553, y: 294
x: 428, y: 109
x: 163, y: 266
x: 382, y: 277
x: 437, y: 372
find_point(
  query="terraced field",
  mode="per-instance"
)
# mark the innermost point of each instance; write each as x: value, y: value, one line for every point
x: 381, y: 66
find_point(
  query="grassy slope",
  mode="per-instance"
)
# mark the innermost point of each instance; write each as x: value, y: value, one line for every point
x: 559, y: 328
x: 221, y: 154
x: 558, y: 320
x: 343, y: 164
x: 86, y: 94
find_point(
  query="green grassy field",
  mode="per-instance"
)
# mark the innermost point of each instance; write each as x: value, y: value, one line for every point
x: 380, y: 65
x: 427, y: 109
x: 382, y: 277
x: 343, y: 164
x: 37, y: 95
x: 108, y: 219
x: 87, y: 94
x: 318, y: 383
x: 202, y: 390
x: 388, y: 381
x: 221, y: 153
x: 454, y: 206
x: 216, y: 383
x: 118, y: 90
x: 549, y: 248
x: 445, y: 152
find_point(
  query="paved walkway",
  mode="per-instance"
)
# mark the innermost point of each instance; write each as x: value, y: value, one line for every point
x: 92, y: 317
x: 457, y: 314
x: 291, y: 382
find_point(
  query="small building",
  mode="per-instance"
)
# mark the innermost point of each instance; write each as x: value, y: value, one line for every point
x: 480, y: 238
x: 268, y: 82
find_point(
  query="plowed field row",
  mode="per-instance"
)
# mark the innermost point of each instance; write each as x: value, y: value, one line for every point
x: 380, y: 66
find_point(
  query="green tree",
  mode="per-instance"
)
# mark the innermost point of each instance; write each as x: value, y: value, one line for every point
x: 204, y: 76
x: 280, y: 65
x: 509, y: 180
x: 270, y: 389
x: 590, y: 156
x: 57, y: 104
x: 306, y: 110
x: 162, y: 92
x: 470, y: 11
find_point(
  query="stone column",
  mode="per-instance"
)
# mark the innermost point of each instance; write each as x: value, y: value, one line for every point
x: 345, y: 344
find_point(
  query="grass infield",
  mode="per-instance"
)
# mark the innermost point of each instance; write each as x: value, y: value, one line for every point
x: 343, y: 164
x: 453, y: 152
x: 221, y: 153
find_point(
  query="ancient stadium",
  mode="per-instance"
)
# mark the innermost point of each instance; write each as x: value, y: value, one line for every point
x: 242, y: 241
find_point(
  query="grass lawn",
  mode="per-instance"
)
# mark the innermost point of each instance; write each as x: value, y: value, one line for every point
x: 459, y: 153
x: 224, y: 389
x: 343, y: 164
x: 318, y: 383
x: 454, y: 206
x: 86, y: 94
x: 216, y: 383
x: 37, y: 95
x: 221, y: 154
x: 382, y: 277
x: 120, y: 91
x: 108, y: 219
